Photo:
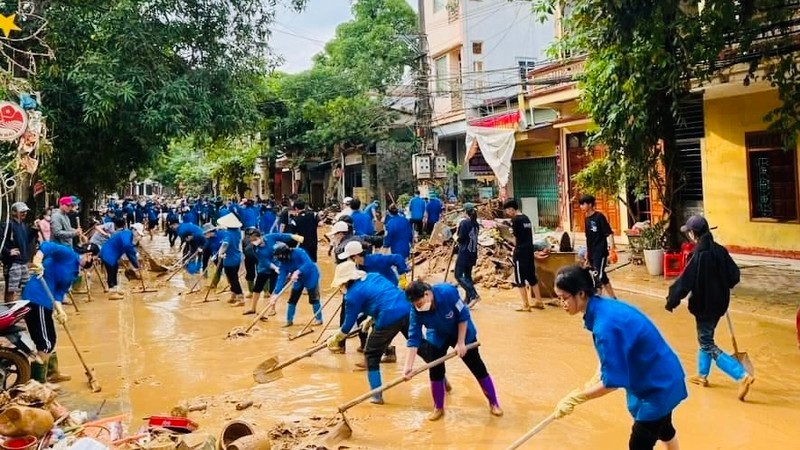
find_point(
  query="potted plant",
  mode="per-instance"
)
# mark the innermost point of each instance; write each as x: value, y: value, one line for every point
x: 652, y: 241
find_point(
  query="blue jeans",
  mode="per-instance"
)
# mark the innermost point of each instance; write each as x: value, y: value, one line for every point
x: 705, y: 336
x: 464, y: 277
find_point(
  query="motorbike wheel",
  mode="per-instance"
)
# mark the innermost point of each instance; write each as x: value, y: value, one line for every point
x: 14, y: 369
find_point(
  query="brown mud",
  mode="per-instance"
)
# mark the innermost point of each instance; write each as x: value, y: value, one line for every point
x: 154, y: 351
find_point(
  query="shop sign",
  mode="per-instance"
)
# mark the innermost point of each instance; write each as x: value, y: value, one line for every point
x: 353, y: 159
x: 479, y: 166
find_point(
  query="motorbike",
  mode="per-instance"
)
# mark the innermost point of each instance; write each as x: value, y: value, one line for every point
x: 15, y: 367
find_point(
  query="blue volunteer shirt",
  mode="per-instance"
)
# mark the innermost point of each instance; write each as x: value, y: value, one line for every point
x: 385, y: 266
x: 187, y: 229
x: 309, y: 273
x: 264, y: 253
x: 417, y: 208
x: 61, y: 267
x: 434, y: 210
x: 398, y: 236
x: 248, y: 215
x: 120, y: 243
x: 376, y: 297
x: 635, y: 357
x: 268, y: 222
x: 233, y: 254
x: 362, y: 223
x: 441, y: 322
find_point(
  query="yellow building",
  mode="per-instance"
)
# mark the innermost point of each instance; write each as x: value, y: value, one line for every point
x: 750, y: 180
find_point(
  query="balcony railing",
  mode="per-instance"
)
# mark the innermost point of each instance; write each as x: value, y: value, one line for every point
x: 554, y: 76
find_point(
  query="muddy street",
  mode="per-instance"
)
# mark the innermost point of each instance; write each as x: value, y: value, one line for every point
x: 156, y: 350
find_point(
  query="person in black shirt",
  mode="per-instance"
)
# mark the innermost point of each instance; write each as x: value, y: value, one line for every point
x: 304, y: 223
x: 467, y: 251
x: 598, y: 239
x: 524, y: 268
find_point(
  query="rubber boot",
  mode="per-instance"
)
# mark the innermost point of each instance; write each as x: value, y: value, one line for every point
x: 703, y: 369
x: 53, y: 374
x: 39, y: 372
x: 730, y: 366
x: 374, y: 378
x: 290, y: 310
x: 317, y: 312
x: 437, y: 392
x: 390, y: 355
x: 488, y: 390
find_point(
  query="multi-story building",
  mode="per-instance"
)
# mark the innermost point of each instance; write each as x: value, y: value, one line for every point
x: 480, y: 51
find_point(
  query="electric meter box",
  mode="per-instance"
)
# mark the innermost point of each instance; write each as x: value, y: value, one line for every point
x: 422, y: 166
x: 440, y: 167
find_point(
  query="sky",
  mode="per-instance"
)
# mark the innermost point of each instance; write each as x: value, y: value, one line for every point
x: 297, y: 37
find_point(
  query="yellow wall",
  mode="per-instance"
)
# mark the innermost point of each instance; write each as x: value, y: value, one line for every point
x: 541, y: 150
x: 725, y: 190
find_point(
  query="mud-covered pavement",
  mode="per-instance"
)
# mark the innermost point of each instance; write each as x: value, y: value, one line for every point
x: 154, y: 351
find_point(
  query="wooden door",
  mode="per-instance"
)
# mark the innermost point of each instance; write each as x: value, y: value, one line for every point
x: 578, y: 158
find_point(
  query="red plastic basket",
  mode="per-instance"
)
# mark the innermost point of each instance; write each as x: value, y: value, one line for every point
x: 172, y: 423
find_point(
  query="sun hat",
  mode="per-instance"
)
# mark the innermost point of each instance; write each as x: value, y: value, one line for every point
x: 345, y: 272
x: 229, y: 221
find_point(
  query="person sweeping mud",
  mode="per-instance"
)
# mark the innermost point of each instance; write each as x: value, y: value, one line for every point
x: 267, y: 267
x: 295, y: 264
x: 120, y: 243
x: 709, y: 277
x: 447, y: 323
x: 633, y: 356
x: 60, y: 266
x: 232, y: 258
x: 524, y: 256
x: 374, y: 296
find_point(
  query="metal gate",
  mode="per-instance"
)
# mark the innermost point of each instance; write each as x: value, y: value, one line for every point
x: 538, y: 178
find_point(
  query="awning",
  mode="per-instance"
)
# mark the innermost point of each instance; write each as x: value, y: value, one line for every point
x: 497, y: 147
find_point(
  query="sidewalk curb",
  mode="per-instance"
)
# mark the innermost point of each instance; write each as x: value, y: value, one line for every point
x: 657, y: 296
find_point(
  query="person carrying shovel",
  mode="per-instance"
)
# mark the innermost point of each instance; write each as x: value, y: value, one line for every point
x: 267, y: 268
x: 709, y: 276
x: 633, y: 356
x: 120, y: 243
x: 60, y: 266
x: 447, y: 324
x: 295, y: 264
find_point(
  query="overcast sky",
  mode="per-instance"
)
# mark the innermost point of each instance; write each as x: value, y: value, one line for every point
x: 299, y: 36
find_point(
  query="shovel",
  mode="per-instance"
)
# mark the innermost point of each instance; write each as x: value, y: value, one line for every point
x: 742, y: 357
x: 270, y: 369
x: 344, y: 431
x: 450, y: 261
x: 222, y: 248
x: 533, y: 432
x: 306, y: 328
x: 94, y: 385
x: 145, y: 289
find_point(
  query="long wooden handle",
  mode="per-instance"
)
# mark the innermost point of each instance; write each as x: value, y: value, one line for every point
x: 69, y: 335
x: 400, y: 380
x: 533, y: 431
x: 266, y: 308
x: 733, y: 336
x: 306, y: 354
x: 328, y: 323
x: 314, y: 316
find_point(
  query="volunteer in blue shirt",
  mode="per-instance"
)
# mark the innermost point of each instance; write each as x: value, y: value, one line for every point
x: 447, y: 324
x: 372, y: 295
x: 58, y: 265
x: 399, y: 235
x: 268, y: 223
x: 248, y: 214
x: 296, y: 265
x: 633, y: 356
x: 267, y: 268
x: 232, y: 258
x: 362, y: 221
x: 416, y: 209
x: 388, y: 266
x: 192, y: 237
x: 120, y: 243
x: 433, y: 210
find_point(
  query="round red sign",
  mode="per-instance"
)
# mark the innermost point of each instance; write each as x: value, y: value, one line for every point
x: 13, y: 121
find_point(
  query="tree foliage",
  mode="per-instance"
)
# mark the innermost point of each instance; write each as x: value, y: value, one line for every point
x: 131, y: 75
x: 641, y: 61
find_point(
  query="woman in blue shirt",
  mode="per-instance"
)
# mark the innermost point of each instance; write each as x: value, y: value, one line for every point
x: 633, y: 356
x: 232, y: 258
x: 447, y: 324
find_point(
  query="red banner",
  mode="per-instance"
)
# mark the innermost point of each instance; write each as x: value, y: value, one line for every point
x: 502, y: 120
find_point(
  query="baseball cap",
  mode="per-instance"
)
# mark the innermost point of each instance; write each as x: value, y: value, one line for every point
x: 75, y: 200
x: 347, y: 200
x: 695, y: 223
x: 352, y: 248
x: 138, y: 228
x: 65, y: 201
x: 20, y: 207
x: 345, y: 272
x: 469, y: 206
x: 338, y: 227
x: 94, y: 249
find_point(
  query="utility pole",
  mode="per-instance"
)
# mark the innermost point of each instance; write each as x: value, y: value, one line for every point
x: 424, y: 110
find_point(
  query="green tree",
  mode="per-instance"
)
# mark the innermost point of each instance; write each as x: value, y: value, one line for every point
x: 132, y: 75
x: 641, y: 60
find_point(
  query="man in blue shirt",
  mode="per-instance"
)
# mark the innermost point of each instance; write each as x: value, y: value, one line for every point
x: 416, y: 209
x: 362, y: 221
x: 399, y: 235
x: 17, y: 248
x: 391, y: 267
x: 433, y: 211
x: 295, y: 264
x: 120, y: 243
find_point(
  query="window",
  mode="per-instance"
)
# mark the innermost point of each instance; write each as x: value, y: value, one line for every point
x: 477, y: 68
x: 772, y: 177
x: 440, y: 67
x: 477, y: 47
x: 438, y: 5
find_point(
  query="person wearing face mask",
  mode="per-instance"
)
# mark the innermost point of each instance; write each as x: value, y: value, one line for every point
x: 633, y: 356
x: 447, y: 322
x: 372, y: 295
x: 43, y: 225
x: 267, y: 266
x: 709, y: 277
x: 296, y: 265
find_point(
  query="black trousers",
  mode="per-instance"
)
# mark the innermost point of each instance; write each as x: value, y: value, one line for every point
x: 265, y: 281
x: 645, y: 433
x: 232, y: 274
x: 250, y: 263
x: 380, y: 339
x: 472, y: 359
x: 111, y: 274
